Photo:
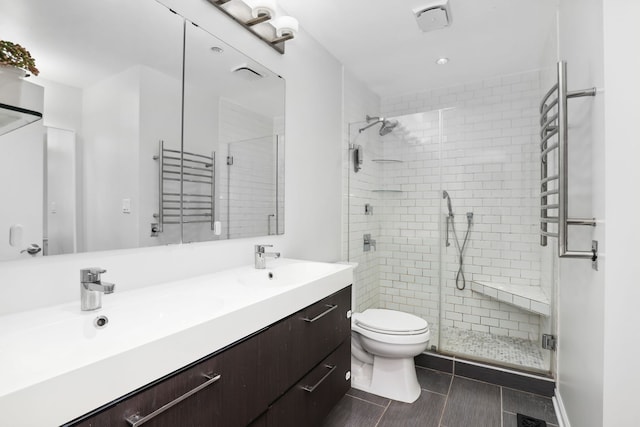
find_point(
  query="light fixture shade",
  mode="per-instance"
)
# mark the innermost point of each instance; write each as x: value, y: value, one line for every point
x: 285, y: 25
x: 262, y: 7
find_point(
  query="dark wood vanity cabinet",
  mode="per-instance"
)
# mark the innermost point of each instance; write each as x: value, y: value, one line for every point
x: 289, y: 374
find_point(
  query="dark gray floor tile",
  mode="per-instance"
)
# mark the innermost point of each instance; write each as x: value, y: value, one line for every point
x: 435, y: 381
x: 511, y: 420
x: 424, y: 412
x: 373, y: 398
x: 472, y: 403
x: 352, y: 412
x: 528, y: 404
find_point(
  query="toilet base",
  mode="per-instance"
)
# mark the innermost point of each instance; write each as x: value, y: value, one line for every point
x: 394, y: 379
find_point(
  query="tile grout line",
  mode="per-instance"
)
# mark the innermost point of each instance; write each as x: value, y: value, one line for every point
x: 365, y: 400
x: 446, y: 400
x: 383, y: 412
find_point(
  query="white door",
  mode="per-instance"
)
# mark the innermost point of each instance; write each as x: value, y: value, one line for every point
x: 21, y: 191
x: 60, y: 228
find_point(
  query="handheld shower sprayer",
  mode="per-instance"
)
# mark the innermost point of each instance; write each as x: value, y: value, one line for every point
x: 445, y: 195
x: 450, y: 222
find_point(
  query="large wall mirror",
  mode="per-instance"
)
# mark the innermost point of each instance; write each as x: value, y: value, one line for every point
x: 154, y: 132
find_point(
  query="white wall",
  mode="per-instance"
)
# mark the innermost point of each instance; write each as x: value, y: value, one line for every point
x: 581, y: 289
x: 160, y: 111
x: 110, y: 161
x: 622, y: 201
x: 313, y: 185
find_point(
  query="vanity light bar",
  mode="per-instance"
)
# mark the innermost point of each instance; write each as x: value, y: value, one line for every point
x: 251, y: 16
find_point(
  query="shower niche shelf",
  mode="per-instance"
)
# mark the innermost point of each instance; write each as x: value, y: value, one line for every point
x: 386, y: 191
x: 387, y: 161
x: 528, y: 298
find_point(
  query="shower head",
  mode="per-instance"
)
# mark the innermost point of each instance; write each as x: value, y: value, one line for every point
x: 387, y: 126
x: 445, y: 195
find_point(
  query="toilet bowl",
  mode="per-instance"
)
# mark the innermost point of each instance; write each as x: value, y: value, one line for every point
x: 383, y: 345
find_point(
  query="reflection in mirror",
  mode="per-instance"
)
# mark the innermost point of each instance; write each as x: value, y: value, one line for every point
x: 234, y: 113
x: 82, y: 178
x: 89, y: 176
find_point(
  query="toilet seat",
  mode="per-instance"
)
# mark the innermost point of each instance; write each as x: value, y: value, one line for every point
x: 390, y: 322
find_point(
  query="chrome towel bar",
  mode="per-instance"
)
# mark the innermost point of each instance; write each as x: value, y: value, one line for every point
x: 554, y: 139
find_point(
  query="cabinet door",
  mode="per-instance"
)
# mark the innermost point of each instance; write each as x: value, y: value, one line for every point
x: 311, y: 399
x: 192, y: 398
x: 298, y: 343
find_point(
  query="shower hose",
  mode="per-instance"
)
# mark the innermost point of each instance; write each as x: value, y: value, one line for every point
x: 460, y: 274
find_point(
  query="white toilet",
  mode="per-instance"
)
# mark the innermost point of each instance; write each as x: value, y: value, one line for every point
x: 383, y: 345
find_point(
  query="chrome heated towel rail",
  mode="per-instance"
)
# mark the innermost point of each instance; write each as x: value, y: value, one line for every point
x: 554, y: 180
x: 177, y: 206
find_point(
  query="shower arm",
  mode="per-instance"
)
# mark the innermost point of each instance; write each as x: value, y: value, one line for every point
x: 375, y: 121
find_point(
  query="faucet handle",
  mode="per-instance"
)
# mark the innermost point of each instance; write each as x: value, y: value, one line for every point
x: 91, y: 274
x: 260, y: 248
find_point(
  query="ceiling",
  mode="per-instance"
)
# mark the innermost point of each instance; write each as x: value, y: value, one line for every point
x: 380, y: 43
x: 79, y: 43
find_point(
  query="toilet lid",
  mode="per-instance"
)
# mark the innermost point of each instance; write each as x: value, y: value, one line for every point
x: 391, y: 322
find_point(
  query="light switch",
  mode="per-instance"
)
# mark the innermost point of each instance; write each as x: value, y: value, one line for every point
x: 15, y: 235
x: 126, y: 206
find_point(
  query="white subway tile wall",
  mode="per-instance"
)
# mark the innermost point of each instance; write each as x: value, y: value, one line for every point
x: 479, y: 142
x: 486, y: 158
x: 250, y: 181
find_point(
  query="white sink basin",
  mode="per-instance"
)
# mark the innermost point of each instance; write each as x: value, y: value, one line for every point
x: 281, y: 273
x: 56, y: 358
x: 71, y: 338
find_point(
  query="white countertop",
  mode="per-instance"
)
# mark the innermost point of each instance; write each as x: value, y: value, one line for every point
x: 57, y: 361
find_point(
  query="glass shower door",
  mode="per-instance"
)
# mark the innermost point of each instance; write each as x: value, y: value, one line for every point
x: 496, y: 296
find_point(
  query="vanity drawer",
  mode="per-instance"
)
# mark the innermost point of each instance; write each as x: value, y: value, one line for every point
x: 301, y: 341
x: 196, y: 396
x: 313, y: 397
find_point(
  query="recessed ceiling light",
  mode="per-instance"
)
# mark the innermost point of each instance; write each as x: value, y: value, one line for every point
x: 217, y: 49
x: 442, y: 61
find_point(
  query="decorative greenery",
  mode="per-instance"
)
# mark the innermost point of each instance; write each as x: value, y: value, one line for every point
x: 17, y: 56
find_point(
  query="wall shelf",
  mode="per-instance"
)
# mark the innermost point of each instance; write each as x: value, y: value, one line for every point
x: 387, y: 161
x: 387, y: 191
x: 529, y: 298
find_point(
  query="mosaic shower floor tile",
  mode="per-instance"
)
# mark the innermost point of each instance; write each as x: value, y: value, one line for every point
x: 501, y: 349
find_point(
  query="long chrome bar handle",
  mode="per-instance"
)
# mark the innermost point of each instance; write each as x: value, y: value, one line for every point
x: 160, y: 186
x: 563, y: 164
x: 311, y: 389
x: 213, y: 190
x: 138, y: 420
x: 321, y: 315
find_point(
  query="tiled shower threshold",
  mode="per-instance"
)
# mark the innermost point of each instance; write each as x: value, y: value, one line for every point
x: 506, y: 351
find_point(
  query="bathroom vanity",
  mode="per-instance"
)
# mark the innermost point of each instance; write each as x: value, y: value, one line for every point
x: 274, y: 350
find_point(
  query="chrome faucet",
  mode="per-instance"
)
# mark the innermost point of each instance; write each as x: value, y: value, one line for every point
x: 261, y: 255
x: 92, y: 288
